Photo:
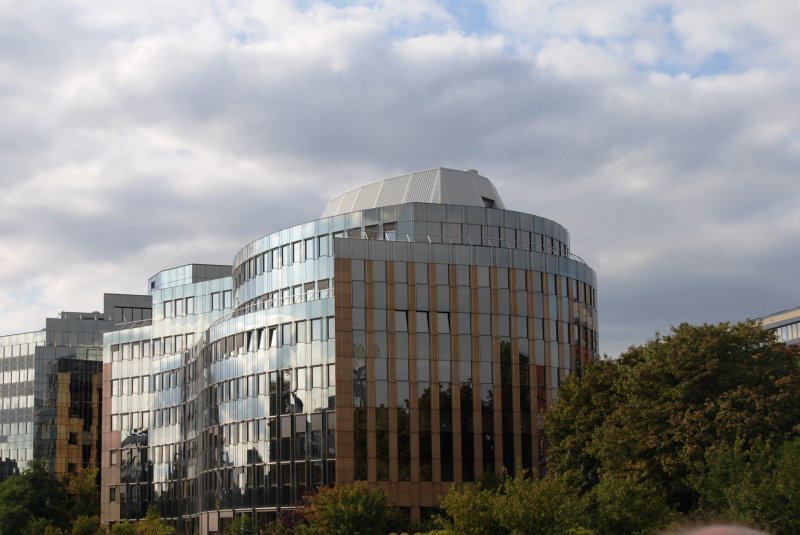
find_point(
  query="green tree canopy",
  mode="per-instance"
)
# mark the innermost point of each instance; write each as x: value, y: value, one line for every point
x: 653, y: 413
x: 35, y: 494
x: 153, y: 524
x: 83, y: 490
x: 355, y: 509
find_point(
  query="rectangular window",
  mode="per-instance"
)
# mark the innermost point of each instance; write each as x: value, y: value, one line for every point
x: 300, y: 332
x: 226, y: 299
x: 179, y: 310
x: 297, y: 293
x: 189, y: 305
x: 322, y: 286
x: 286, y: 254
x: 316, y: 329
x: 323, y: 245
x: 331, y: 327
x: 443, y: 322
x: 309, y: 248
x: 297, y: 252
x: 286, y: 334
x: 276, y: 258
x: 273, y: 337
x: 168, y: 309
x: 401, y: 320
x: 215, y: 301
x: 422, y: 322
x: 309, y: 290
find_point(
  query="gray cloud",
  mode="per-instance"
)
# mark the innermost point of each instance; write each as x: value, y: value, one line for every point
x: 139, y: 137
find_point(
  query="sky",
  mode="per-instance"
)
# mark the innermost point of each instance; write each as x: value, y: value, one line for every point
x: 665, y: 136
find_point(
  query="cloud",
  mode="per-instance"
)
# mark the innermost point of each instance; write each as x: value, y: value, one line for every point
x: 142, y: 136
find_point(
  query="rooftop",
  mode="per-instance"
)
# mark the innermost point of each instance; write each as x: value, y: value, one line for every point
x: 439, y: 186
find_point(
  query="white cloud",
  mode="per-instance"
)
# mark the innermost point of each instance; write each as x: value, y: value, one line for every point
x: 139, y: 136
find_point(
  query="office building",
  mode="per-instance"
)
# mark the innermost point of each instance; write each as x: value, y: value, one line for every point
x: 412, y: 337
x: 786, y: 325
x: 50, y: 388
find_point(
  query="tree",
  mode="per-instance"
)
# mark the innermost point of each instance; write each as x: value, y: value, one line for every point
x: 123, y: 528
x: 759, y: 486
x: 519, y: 505
x: 153, y: 524
x: 84, y: 492
x: 87, y: 525
x: 619, y: 504
x: 357, y: 508
x: 32, y: 495
x: 241, y: 525
x: 652, y: 414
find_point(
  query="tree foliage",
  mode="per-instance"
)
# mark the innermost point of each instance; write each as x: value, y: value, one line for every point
x: 355, y: 509
x: 32, y: 495
x: 519, y: 505
x: 153, y: 524
x: 83, y: 491
x: 650, y: 416
x: 123, y: 528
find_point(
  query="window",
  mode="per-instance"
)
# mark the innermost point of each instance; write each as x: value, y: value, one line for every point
x: 322, y: 286
x: 390, y: 231
x: 73, y: 438
x: 401, y: 320
x: 309, y: 289
x: 226, y: 299
x: 316, y: 329
x: 297, y: 252
x: 215, y: 301
x: 442, y: 322
x: 189, y: 305
x: 297, y: 293
x: 300, y: 332
x: 286, y: 334
x: 331, y: 327
x: 168, y: 313
x: 422, y: 322
x: 309, y: 248
x: 179, y: 310
x: 112, y: 494
x: 273, y: 337
x: 323, y: 245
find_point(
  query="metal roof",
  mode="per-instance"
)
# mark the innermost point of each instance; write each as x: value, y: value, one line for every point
x: 440, y: 186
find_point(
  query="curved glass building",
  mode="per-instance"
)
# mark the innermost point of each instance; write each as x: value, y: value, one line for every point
x: 410, y: 337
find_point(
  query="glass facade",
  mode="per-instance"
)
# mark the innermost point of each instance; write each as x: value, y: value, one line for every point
x: 412, y: 345
x: 50, y: 388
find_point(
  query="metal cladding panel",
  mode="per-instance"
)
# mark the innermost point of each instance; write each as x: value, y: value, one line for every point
x: 421, y: 187
x: 440, y: 186
x: 394, y: 190
x: 348, y: 201
x: 367, y: 196
x: 333, y: 207
x: 484, y: 188
x: 466, y: 188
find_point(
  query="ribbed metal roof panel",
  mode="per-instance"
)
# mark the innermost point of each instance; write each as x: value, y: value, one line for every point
x: 421, y: 187
x: 367, y: 196
x: 394, y: 190
x: 440, y: 185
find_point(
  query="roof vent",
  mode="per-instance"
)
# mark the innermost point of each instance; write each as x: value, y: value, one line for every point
x: 473, y: 171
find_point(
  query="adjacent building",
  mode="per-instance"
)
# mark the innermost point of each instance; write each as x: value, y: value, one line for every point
x: 50, y: 388
x: 786, y: 325
x: 412, y: 336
